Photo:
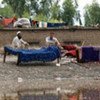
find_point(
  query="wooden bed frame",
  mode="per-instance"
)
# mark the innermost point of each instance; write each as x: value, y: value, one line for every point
x: 18, y: 60
x: 5, y: 54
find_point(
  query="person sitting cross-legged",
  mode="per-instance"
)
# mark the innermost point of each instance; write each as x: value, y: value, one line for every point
x: 18, y: 42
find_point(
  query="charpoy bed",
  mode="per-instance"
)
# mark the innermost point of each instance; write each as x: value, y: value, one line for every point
x: 88, y: 54
x: 45, y: 54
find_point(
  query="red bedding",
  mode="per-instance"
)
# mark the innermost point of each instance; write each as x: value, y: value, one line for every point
x: 71, y: 50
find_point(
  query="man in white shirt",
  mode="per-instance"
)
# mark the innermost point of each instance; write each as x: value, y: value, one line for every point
x: 18, y: 42
x: 51, y: 40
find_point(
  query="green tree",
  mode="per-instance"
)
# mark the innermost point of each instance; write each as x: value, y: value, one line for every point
x: 87, y: 19
x: 33, y: 6
x: 39, y: 8
x: 92, y: 14
x: 6, y: 11
x: 48, y: 11
x: 41, y: 17
x: 45, y: 6
x: 18, y: 6
x: 68, y: 12
x: 55, y: 11
x: 77, y: 15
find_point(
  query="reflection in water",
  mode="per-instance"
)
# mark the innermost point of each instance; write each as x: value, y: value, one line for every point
x: 90, y: 94
x: 84, y: 94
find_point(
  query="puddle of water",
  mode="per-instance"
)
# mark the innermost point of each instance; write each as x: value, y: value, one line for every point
x: 90, y: 95
x: 67, y: 95
x: 40, y: 97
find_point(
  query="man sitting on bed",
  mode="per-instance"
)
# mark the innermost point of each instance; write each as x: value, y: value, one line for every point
x: 51, y: 40
x: 18, y: 42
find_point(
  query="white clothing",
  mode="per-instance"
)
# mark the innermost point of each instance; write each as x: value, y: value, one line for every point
x: 18, y: 43
x: 52, y: 41
x: 18, y: 32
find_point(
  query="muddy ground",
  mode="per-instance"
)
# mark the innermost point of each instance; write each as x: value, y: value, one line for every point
x: 38, y: 75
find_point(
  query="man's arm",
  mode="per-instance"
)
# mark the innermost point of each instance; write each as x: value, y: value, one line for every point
x: 58, y: 43
x: 24, y: 42
x: 47, y: 42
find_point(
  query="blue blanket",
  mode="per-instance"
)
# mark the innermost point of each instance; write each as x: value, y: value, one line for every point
x: 90, y: 54
x: 44, y: 54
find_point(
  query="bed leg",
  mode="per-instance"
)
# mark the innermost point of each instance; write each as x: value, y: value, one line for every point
x: 77, y: 55
x: 4, y: 59
x: 18, y: 61
x: 58, y: 60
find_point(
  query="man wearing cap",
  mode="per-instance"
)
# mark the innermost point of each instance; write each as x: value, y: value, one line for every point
x: 18, y: 42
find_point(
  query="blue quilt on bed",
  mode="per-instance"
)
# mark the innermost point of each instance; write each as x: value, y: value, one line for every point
x: 44, y: 54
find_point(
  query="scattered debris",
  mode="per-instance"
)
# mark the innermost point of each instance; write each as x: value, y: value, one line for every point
x: 20, y: 79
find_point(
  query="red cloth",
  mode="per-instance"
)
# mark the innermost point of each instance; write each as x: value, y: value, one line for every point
x: 34, y: 22
x: 71, y: 50
x: 69, y: 47
x: 73, y: 98
x: 7, y: 21
x: 72, y: 53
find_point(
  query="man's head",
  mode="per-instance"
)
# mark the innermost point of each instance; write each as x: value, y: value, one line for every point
x: 19, y: 34
x: 52, y: 34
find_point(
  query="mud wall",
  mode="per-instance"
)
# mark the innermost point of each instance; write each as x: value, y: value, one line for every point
x: 91, y: 36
